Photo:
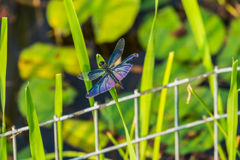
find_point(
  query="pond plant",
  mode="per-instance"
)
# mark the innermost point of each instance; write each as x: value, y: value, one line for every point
x: 188, y: 45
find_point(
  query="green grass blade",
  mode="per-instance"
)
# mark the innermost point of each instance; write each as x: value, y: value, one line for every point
x: 131, y: 136
x: 206, y: 108
x: 232, y: 118
x: 120, y: 150
x: 3, y: 69
x: 161, y: 107
x: 209, y: 112
x: 78, y: 42
x: 220, y: 150
x: 147, y: 84
x: 221, y: 111
x: 58, y: 112
x: 35, y: 137
x: 195, y: 19
x: 113, y: 92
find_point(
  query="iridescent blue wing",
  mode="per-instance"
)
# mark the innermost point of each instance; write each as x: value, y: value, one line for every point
x: 89, y: 76
x: 121, y: 70
x: 117, y: 52
x: 130, y: 58
x: 103, y: 85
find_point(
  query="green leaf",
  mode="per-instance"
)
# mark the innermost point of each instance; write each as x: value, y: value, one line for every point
x: 195, y: 19
x: 161, y: 108
x: 232, y: 109
x: 106, y: 26
x: 147, y: 5
x: 113, y: 19
x: 35, y: 137
x: 146, y: 84
x: 3, y: 69
x: 43, y: 96
x: 178, y: 70
x: 113, y: 92
x: 46, y: 60
x: 173, y: 35
x: 206, y: 108
x: 120, y: 150
x: 79, y: 43
x: 112, y: 117
x: 220, y: 150
x: 75, y: 131
x: 24, y: 153
x: 57, y: 18
x: 231, y: 49
x: 163, y: 31
x: 58, y: 112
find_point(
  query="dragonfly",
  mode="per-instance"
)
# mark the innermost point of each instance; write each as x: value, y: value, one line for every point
x: 111, y: 75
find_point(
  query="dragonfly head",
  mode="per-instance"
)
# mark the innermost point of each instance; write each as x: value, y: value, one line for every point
x: 102, y: 63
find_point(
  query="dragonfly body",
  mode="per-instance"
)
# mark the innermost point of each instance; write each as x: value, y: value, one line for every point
x: 111, y: 75
x: 108, y: 70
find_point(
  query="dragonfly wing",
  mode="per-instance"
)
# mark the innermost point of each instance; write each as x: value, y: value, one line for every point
x: 120, y: 71
x: 130, y: 58
x: 103, y: 85
x: 117, y: 52
x: 89, y: 76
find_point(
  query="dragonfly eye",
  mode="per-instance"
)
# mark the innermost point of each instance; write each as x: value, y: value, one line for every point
x: 101, y: 63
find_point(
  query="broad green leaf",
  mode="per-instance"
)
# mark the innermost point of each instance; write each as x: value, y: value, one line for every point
x: 112, y: 19
x: 161, y: 108
x: 79, y: 43
x: 43, y: 96
x: 57, y: 17
x: 35, y: 138
x: 232, y: 109
x: 3, y: 69
x: 80, y: 134
x: 46, y: 60
x: 173, y: 35
x: 163, y: 31
x: 114, y: 95
x: 24, y: 153
x: 58, y: 112
x: 147, y: 84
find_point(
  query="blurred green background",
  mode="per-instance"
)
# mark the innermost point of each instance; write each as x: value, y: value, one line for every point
x: 40, y: 45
